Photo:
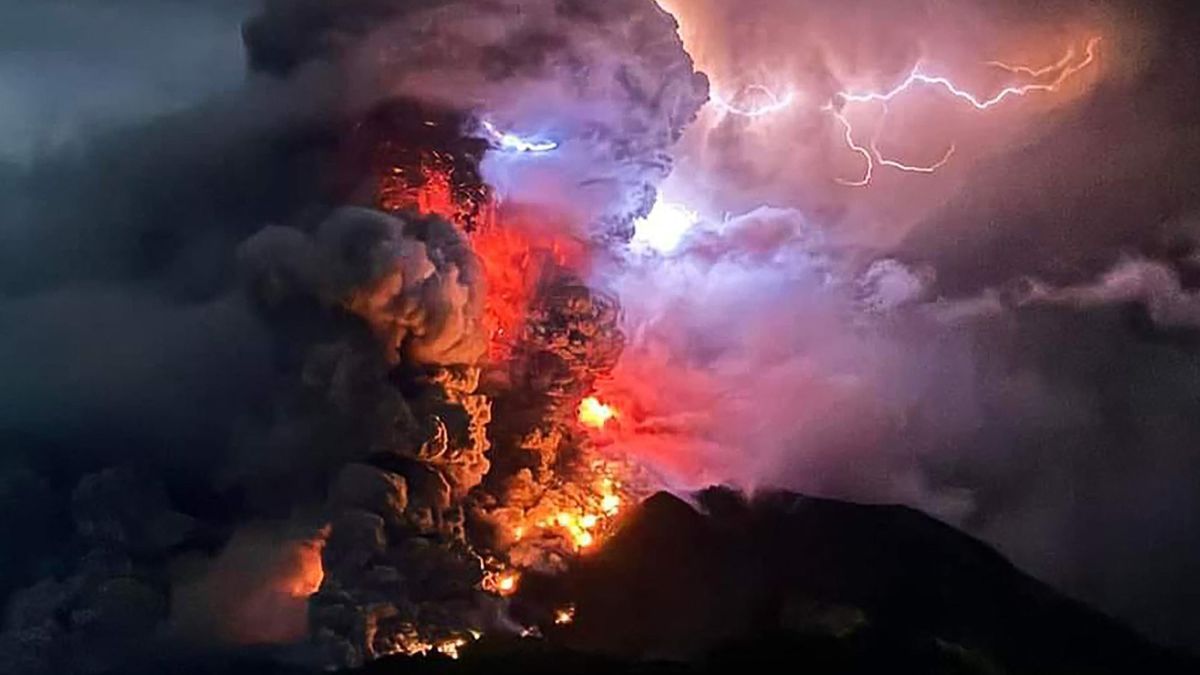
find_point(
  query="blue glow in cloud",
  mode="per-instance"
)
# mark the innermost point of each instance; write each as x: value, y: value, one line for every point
x: 510, y: 142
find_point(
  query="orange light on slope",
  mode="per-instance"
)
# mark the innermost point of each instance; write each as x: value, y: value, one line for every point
x: 508, y: 583
x: 564, y: 615
x: 594, y: 414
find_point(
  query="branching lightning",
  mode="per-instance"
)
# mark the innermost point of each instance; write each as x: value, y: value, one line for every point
x: 1060, y: 71
x: 1066, y: 67
x: 1045, y: 70
x: 510, y: 142
x: 772, y: 104
x: 916, y: 77
x: 849, y: 136
x: 873, y: 155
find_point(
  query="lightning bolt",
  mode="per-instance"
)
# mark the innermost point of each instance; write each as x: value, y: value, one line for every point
x: 1045, y: 70
x: 1062, y: 70
x: 1066, y: 67
x: 917, y: 77
x: 873, y: 155
x: 510, y: 142
x: 773, y: 102
x: 849, y: 136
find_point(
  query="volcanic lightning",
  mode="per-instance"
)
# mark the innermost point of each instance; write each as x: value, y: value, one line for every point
x: 1066, y: 67
x: 510, y: 142
x: 916, y: 77
x: 769, y: 102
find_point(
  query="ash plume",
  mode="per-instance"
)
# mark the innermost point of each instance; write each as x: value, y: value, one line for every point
x: 247, y: 385
x: 1007, y: 342
x: 619, y: 86
x: 252, y: 366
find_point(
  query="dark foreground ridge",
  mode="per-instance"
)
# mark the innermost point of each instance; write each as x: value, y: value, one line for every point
x: 786, y: 583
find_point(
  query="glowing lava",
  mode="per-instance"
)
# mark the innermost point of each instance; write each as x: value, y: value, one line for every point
x: 504, y: 583
x: 564, y: 615
x: 594, y: 414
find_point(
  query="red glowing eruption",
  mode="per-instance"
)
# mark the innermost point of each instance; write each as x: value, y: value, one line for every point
x: 514, y: 254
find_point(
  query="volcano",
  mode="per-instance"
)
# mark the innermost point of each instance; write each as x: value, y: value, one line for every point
x: 783, y: 583
x: 475, y: 335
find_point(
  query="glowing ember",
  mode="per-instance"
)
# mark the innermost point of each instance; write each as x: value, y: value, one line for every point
x: 577, y: 527
x: 593, y: 413
x: 508, y: 583
x: 564, y: 615
x: 451, y: 648
x: 504, y: 583
x: 610, y: 504
x: 514, y: 260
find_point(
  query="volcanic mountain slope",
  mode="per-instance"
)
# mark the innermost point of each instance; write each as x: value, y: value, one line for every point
x: 786, y: 583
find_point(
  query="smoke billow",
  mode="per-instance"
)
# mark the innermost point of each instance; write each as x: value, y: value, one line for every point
x: 1007, y: 342
x: 607, y: 83
x: 244, y: 401
x: 241, y: 395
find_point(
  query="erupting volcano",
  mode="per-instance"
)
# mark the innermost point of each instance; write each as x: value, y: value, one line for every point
x: 509, y: 332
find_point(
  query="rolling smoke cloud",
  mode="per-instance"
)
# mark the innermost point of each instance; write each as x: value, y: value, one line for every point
x: 604, y: 82
x: 201, y: 322
x: 1007, y: 343
x: 883, y: 344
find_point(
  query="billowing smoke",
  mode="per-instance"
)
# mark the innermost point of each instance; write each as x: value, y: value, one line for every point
x: 250, y: 372
x: 255, y: 592
x: 605, y: 83
x: 1006, y: 341
x: 251, y: 386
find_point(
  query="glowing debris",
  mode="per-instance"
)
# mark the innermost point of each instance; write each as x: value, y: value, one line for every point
x: 502, y: 583
x: 610, y: 504
x: 451, y: 648
x: 594, y: 414
x: 564, y: 615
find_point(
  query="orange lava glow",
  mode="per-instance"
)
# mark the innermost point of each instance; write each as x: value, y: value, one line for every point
x: 514, y: 260
x: 594, y: 414
x: 514, y: 253
x: 564, y: 615
x: 502, y: 583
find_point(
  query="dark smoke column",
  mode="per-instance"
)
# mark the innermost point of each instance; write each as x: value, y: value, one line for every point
x: 608, y: 81
x: 611, y: 84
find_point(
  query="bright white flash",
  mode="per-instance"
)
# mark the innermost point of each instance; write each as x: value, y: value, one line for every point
x: 768, y: 102
x: 510, y: 142
x: 665, y: 227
